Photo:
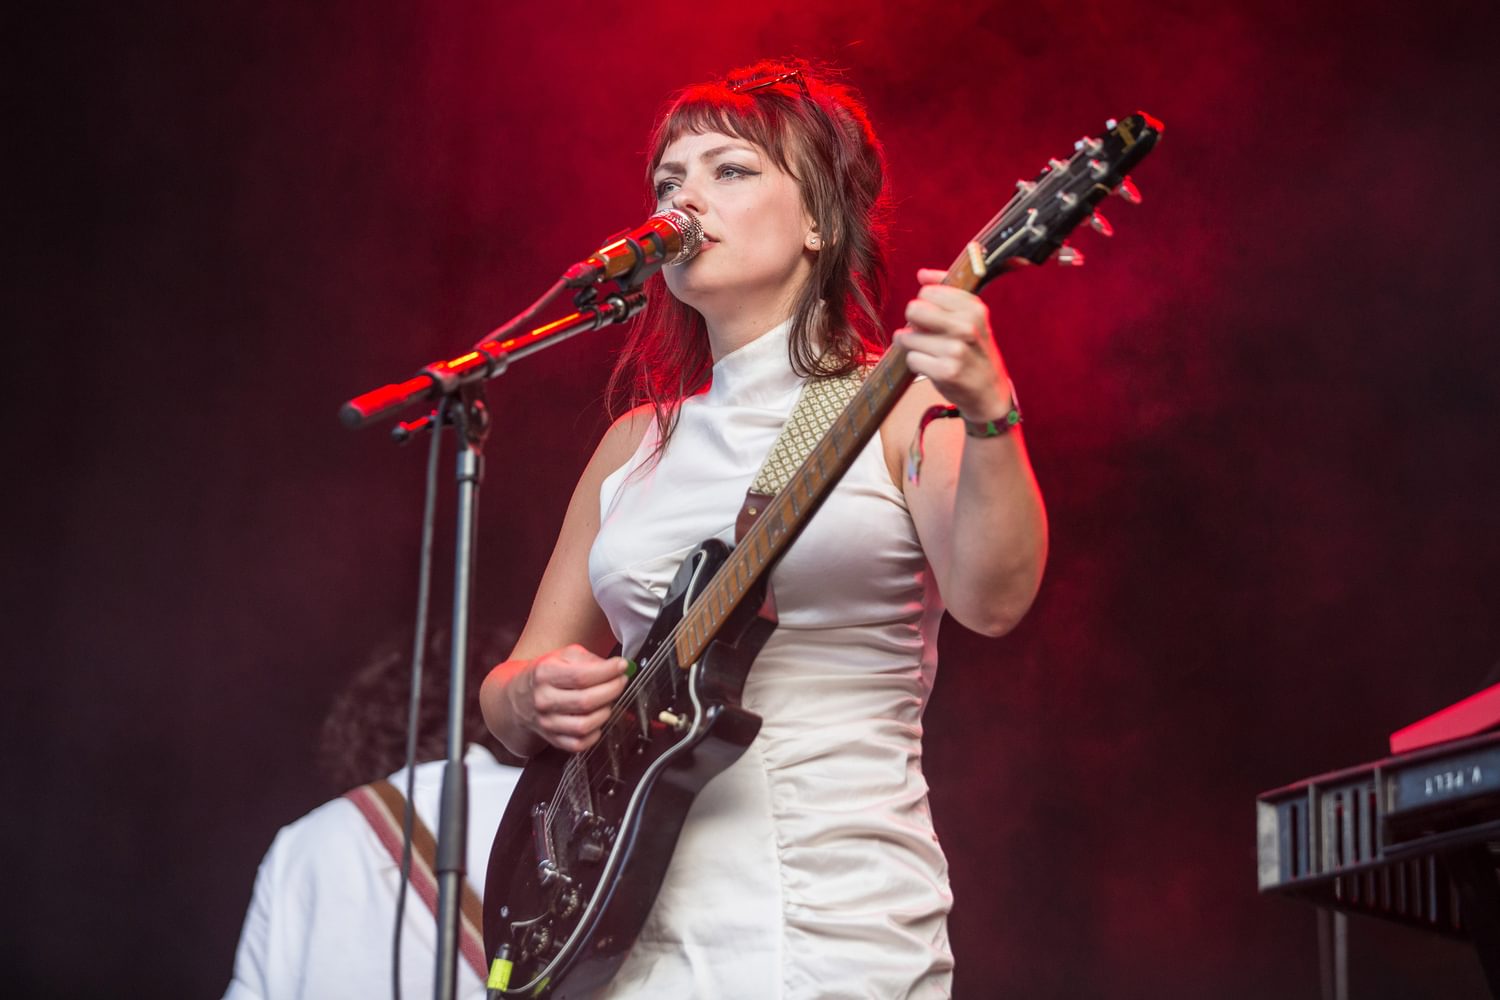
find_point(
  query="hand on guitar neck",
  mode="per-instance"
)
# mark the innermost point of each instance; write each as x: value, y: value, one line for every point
x: 948, y: 339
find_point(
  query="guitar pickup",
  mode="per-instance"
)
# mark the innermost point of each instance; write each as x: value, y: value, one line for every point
x: 591, y: 838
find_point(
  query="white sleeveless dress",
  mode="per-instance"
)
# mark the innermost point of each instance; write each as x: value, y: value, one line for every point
x: 808, y: 869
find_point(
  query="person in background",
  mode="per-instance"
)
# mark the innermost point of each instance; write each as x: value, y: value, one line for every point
x: 323, y: 909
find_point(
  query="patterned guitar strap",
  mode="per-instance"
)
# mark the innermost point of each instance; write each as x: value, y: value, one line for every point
x: 820, y: 404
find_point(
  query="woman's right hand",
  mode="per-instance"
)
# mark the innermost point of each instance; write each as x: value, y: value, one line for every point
x: 565, y: 696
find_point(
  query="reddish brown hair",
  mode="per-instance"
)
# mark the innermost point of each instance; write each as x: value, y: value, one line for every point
x: 822, y: 137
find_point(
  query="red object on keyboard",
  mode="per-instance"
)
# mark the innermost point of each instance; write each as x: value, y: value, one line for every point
x: 1475, y: 714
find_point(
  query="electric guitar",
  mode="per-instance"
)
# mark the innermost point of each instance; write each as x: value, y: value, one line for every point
x: 586, y: 840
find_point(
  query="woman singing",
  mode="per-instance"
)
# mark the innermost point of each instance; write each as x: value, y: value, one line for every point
x: 809, y: 868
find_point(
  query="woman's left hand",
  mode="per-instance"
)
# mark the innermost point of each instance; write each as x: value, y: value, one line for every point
x: 947, y: 338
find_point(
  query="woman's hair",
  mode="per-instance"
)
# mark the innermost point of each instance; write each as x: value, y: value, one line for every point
x: 818, y: 132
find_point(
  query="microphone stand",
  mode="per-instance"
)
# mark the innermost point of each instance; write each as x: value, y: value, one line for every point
x: 459, y: 385
x: 490, y: 358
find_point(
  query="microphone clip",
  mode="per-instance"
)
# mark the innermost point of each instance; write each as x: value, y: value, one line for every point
x: 587, y: 275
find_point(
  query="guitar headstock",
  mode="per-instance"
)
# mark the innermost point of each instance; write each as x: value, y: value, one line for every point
x: 1032, y: 227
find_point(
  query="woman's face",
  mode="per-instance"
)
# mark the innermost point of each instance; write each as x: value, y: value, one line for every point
x: 755, y: 229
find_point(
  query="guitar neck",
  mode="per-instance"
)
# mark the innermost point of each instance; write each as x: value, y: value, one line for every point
x: 785, y: 515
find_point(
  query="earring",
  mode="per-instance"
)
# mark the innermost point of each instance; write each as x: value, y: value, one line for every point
x: 814, y: 241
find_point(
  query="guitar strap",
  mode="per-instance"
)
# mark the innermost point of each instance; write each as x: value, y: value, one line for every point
x: 820, y: 404
x: 383, y: 807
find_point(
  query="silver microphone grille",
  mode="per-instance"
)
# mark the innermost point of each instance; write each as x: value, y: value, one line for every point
x: 691, y: 230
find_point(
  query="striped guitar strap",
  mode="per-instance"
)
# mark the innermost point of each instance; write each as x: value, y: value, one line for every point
x: 383, y: 807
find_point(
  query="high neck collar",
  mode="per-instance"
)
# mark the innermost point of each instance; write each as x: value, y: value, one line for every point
x: 757, y: 374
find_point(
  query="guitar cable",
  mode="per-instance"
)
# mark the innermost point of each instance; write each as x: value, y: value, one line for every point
x: 414, y: 705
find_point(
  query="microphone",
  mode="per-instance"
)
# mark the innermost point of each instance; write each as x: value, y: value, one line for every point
x: 670, y: 237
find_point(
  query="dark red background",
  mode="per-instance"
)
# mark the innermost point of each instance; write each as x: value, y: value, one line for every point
x: 1263, y: 416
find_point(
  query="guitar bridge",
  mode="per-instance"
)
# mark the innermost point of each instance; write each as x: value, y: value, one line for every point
x: 541, y: 837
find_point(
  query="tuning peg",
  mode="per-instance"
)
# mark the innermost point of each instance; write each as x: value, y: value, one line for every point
x: 1109, y: 124
x: 1056, y: 164
x: 1025, y: 187
x: 1031, y: 228
x: 1088, y: 146
x: 1101, y: 225
x: 1129, y: 191
x: 1068, y: 256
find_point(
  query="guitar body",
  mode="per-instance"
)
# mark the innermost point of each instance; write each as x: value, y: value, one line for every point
x: 586, y: 840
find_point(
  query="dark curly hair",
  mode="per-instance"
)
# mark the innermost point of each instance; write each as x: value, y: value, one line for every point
x: 818, y: 132
x: 364, y: 734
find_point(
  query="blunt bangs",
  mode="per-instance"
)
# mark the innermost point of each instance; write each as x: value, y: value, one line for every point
x: 714, y: 108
